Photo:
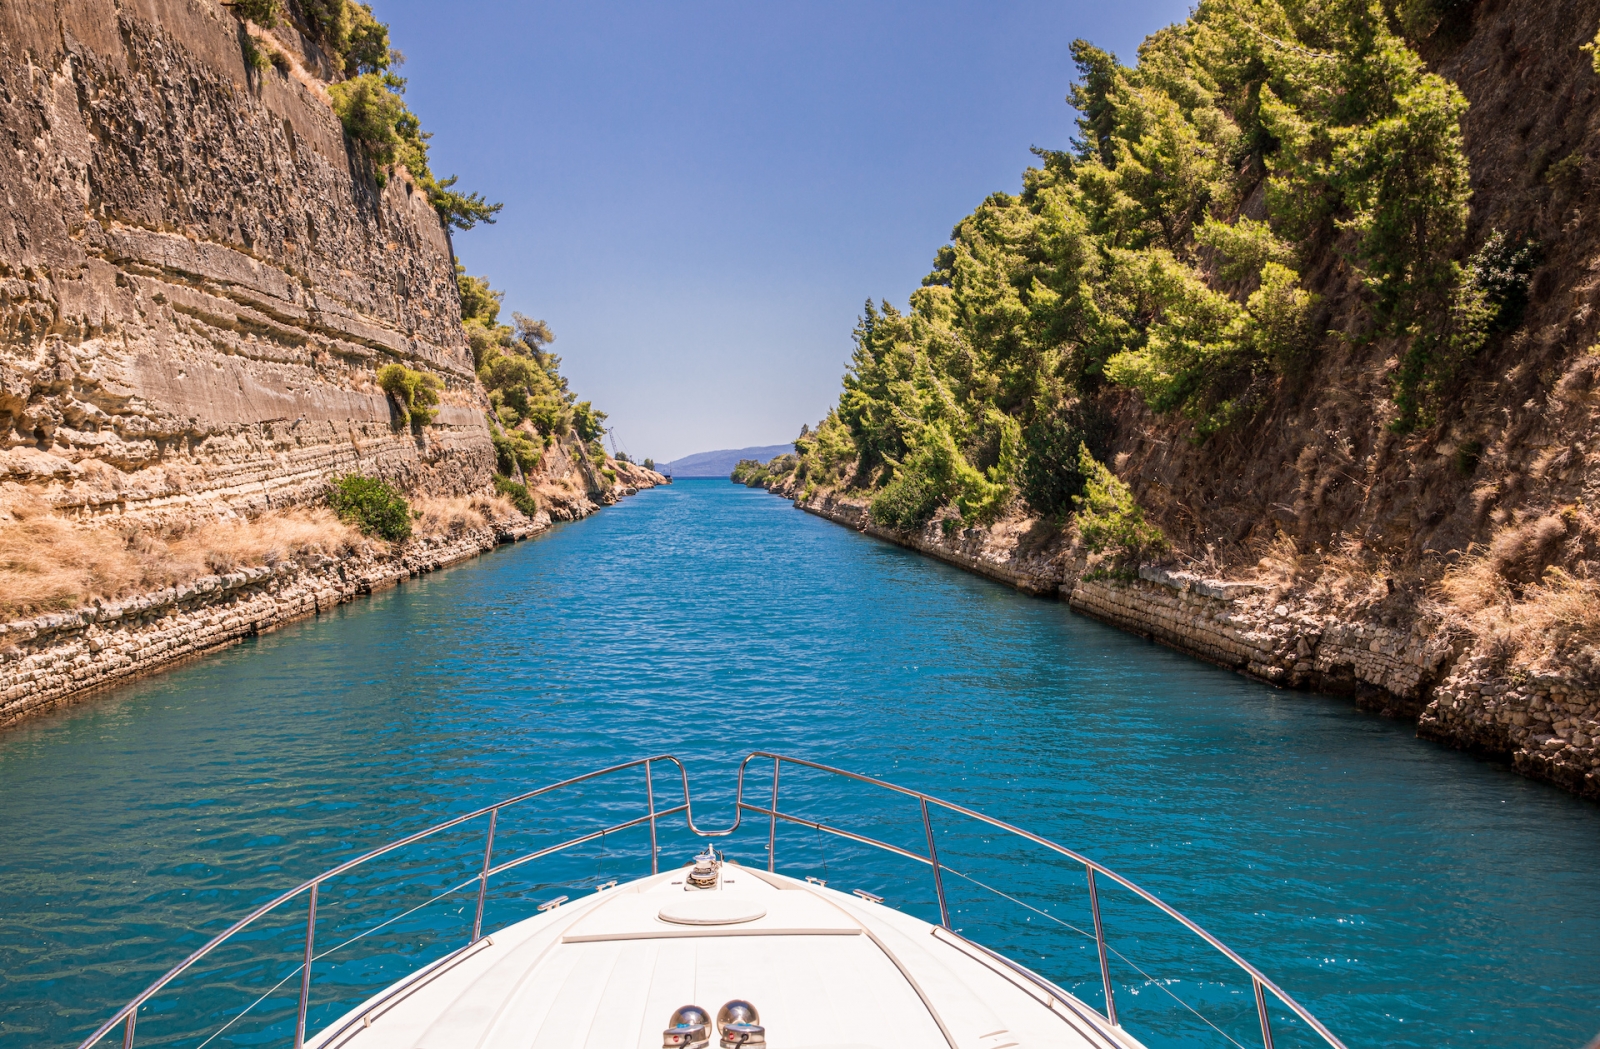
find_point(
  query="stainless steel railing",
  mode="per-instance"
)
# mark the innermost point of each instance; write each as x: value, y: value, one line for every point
x: 1260, y: 983
x: 127, y: 1016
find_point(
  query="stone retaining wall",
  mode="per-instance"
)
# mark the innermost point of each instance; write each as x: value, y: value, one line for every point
x: 53, y: 659
x: 1547, y: 727
x: 1251, y: 627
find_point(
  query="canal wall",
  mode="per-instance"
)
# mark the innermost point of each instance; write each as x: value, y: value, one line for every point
x: 1547, y: 727
x: 51, y: 660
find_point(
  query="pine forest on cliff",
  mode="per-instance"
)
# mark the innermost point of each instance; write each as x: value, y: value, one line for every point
x: 1294, y: 310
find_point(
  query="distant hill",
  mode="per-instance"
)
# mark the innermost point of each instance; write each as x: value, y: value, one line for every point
x: 720, y: 463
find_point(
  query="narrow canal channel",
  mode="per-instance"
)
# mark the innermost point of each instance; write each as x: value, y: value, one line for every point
x: 1410, y: 896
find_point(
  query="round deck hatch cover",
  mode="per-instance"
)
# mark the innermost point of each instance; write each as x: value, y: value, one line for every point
x: 711, y: 909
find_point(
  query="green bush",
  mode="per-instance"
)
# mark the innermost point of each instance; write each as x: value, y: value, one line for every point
x: 515, y: 450
x: 1108, y: 519
x: 748, y: 472
x: 415, y: 393
x: 588, y: 421
x: 524, y: 380
x: 375, y: 116
x: 1502, y: 269
x: 263, y: 13
x: 1281, y: 309
x: 347, y: 31
x: 255, y: 57
x: 372, y: 505
x: 519, y: 495
x: 1052, y: 476
x: 909, y: 501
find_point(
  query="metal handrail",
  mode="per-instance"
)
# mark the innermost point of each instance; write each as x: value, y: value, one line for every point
x: 128, y: 1014
x: 1259, y: 980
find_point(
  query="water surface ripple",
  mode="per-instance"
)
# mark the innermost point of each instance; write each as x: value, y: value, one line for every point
x: 1411, y: 896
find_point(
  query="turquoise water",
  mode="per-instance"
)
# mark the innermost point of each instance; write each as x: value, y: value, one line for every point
x: 1409, y: 895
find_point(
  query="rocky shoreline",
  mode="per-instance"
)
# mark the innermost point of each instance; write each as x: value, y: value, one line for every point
x: 1546, y: 727
x: 55, y: 660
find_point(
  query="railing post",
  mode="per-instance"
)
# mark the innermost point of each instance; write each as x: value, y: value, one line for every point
x: 650, y: 795
x: 772, y: 827
x: 483, y: 876
x: 933, y: 857
x: 1261, y: 1010
x: 1100, y: 942
x: 127, y: 1034
x: 305, y: 972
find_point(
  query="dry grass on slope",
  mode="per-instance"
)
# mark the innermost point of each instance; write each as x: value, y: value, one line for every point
x: 452, y: 515
x: 1523, y: 609
x: 48, y: 563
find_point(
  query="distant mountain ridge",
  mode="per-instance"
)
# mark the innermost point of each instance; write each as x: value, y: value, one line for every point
x: 720, y: 463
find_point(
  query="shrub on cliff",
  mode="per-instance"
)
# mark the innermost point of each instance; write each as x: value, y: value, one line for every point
x: 263, y: 13
x: 1108, y: 518
x: 827, y: 453
x: 588, y: 421
x: 375, y: 116
x: 515, y: 451
x: 372, y: 505
x: 524, y: 380
x: 1051, y: 473
x: 415, y: 393
x: 746, y: 470
x: 346, y: 29
x: 519, y: 495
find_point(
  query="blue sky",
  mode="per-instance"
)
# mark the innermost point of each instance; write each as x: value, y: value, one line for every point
x: 699, y: 196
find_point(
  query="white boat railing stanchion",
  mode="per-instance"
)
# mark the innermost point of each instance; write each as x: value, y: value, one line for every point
x: 305, y: 970
x: 483, y: 875
x: 933, y: 858
x: 772, y: 827
x: 1261, y: 1011
x: 1100, y: 945
x: 650, y: 801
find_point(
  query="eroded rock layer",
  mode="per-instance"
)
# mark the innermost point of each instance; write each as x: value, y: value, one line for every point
x: 197, y: 279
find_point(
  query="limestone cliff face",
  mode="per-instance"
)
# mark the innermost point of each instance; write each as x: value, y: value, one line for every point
x: 197, y: 279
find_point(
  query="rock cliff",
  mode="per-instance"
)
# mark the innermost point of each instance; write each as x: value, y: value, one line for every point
x: 198, y: 281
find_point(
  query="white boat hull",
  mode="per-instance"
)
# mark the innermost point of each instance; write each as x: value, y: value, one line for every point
x: 827, y: 970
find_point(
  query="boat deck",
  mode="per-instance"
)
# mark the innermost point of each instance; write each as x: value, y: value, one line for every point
x: 825, y: 969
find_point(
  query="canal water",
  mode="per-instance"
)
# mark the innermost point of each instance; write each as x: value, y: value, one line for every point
x: 1408, y: 895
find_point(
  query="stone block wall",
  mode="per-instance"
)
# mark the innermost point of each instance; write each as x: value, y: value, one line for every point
x: 1548, y: 727
x: 56, y: 658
